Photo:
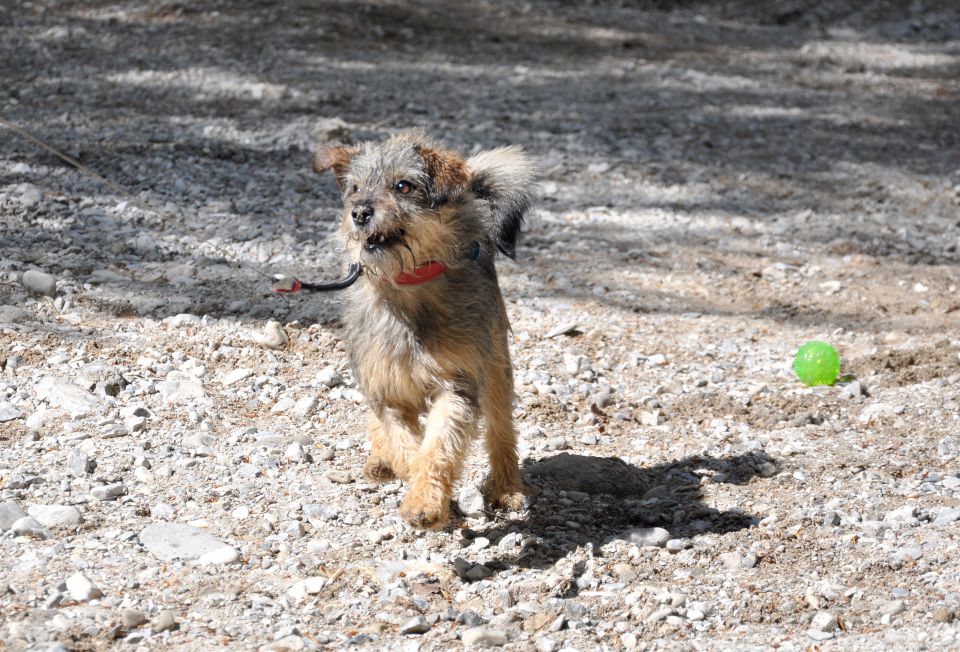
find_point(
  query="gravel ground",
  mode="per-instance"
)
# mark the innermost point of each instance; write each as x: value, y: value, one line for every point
x: 180, y: 451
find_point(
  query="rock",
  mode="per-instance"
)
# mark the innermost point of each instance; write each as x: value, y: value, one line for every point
x: 81, y: 588
x: 676, y: 545
x: 40, y: 283
x: 30, y: 196
x: 329, y: 377
x: 650, y: 537
x: 8, y: 412
x: 164, y: 621
x: 339, y: 477
x: 13, y: 315
x: 824, y: 621
x: 109, y: 491
x: 943, y: 615
x: 545, y: 644
x: 893, y: 607
x: 295, y: 452
x: 79, y: 463
x: 418, y: 625
x: 481, y: 636
x: 219, y: 556
x: 132, y: 618
x: 54, y: 516
x: 272, y: 337
x: 104, y: 276
x: 180, y: 387
x: 10, y: 513
x: 235, y: 376
x: 947, y: 516
x: 29, y: 527
x: 478, y: 572
x: 68, y: 396
x: 168, y: 541
x: 906, y: 514
x: 566, y: 328
x: 101, y: 377
x: 304, y: 406
x: 471, y: 501
x: 307, y: 587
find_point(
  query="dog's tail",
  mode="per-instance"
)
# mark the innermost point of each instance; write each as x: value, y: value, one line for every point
x: 502, y: 178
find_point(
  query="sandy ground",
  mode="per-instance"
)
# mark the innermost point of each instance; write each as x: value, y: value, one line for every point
x: 720, y: 183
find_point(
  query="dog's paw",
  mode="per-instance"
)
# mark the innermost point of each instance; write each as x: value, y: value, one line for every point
x: 424, y: 515
x: 511, y: 498
x: 378, y: 470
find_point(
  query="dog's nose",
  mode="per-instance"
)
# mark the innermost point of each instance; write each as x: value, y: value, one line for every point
x: 362, y: 214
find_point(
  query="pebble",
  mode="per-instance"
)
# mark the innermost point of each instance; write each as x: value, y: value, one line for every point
x: 943, y: 615
x: 109, y: 491
x: 10, y: 513
x: 235, y: 376
x: 653, y: 537
x: 304, y: 406
x: 893, y: 607
x: 168, y: 541
x: 947, y: 516
x: 179, y: 388
x: 329, y: 377
x: 164, y: 621
x: 273, y: 336
x: 55, y: 516
x: 470, y: 500
x: 545, y: 644
x: 306, y: 587
x: 219, y: 556
x: 339, y: 477
x: 68, y: 396
x: 81, y: 588
x: 565, y: 328
x: 417, y: 625
x: 295, y: 452
x: 8, y: 412
x: 824, y: 621
x: 79, y: 463
x: 40, y: 283
x: 481, y: 636
x: 29, y: 527
x: 132, y: 618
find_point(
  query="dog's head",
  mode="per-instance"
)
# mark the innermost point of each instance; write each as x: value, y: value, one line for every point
x: 398, y: 198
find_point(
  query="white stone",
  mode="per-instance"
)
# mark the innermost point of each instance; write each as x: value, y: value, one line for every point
x: 169, y: 541
x: 8, y: 412
x: 40, y: 283
x: 652, y: 537
x: 272, y: 337
x: 329, y: 377
x: 180, y: 387
x: 68, y: 396
x: 222, y: 555
x: 310, y: 586
x: 54, y: 516
x: 481, y: 636
x: 304, y: 406
x: 235, y: 376
x: 81, y: 588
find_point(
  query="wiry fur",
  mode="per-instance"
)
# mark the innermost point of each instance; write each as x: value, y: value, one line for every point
x: 437, y: 349
x: 501, y: 179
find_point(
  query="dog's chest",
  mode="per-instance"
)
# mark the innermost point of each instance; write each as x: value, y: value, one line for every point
x: 389, y: 357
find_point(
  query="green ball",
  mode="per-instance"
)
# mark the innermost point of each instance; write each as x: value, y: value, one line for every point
x: 817, y: 363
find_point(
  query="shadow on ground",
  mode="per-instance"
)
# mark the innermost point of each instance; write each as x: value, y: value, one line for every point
x: 591, y: 500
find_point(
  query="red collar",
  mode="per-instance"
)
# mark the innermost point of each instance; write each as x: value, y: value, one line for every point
x: 420, y: 274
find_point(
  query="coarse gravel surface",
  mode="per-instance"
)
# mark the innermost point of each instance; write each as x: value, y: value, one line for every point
x: 181, y: 450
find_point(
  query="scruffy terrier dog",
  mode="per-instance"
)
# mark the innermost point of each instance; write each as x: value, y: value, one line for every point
x: 426, y: 323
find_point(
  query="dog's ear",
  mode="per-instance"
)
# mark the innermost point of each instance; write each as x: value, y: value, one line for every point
x: 336, y: 158
x: 448, y: 172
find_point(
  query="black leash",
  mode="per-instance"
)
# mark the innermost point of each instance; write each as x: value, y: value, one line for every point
x: 289, y: 284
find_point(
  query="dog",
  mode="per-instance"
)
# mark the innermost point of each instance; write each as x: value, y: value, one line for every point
x: 426, y: 323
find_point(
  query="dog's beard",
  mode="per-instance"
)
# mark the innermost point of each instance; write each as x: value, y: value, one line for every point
x: 387, y: 252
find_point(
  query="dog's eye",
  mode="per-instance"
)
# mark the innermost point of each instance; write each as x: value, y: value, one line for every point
x: 356, y: 188
x: 403, y: 187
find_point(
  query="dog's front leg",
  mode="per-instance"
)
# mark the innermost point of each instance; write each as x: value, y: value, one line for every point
x: 437, y: 465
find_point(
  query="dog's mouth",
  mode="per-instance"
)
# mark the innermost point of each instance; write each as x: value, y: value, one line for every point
x: 379, y: 241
